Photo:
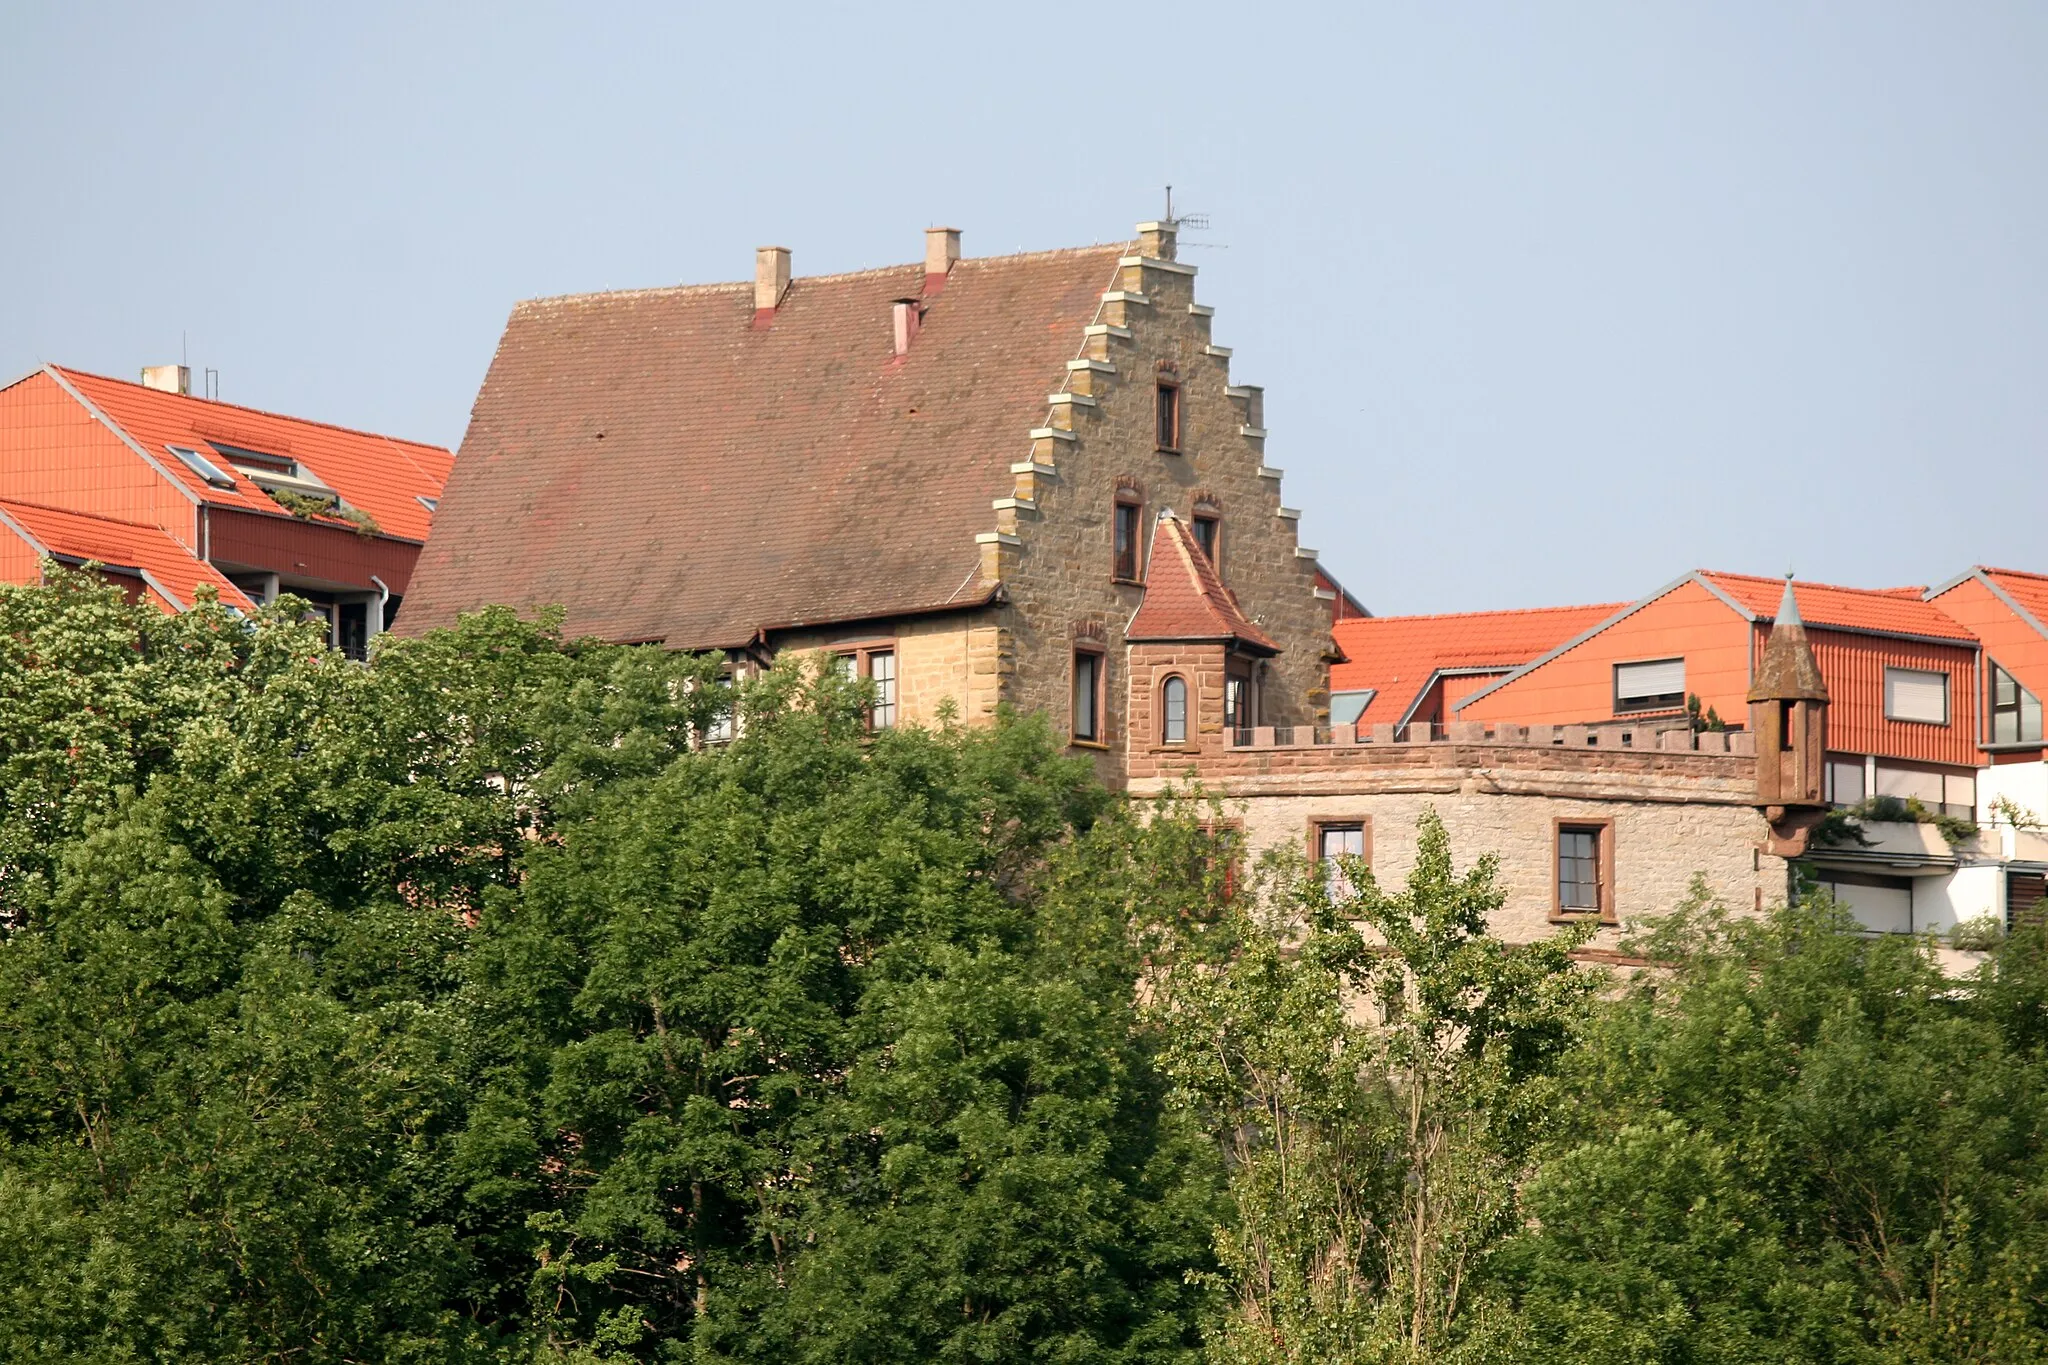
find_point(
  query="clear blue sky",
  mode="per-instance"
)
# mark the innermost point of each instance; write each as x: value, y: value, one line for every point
x: 1552, y: 302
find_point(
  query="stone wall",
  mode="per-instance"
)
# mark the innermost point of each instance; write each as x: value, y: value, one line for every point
x: 958, y: 656
x: 1675, y: 809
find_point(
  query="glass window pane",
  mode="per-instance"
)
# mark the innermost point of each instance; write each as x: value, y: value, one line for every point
x: 1578, y: 869
x: 1086, y: 669
x: 882, y: 670
x: 1175, y: 730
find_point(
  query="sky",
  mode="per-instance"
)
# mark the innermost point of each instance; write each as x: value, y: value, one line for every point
x: 1552, y: 303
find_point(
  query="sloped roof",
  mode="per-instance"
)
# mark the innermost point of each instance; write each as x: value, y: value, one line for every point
x: 1789, y: 671
x: 1886, y: 611
x: 382, y: 475
x: 173, y: 573
x: 665, y: 470
x: 1396, y: 656
x: 1184, y: 597
x: 2030, y: 590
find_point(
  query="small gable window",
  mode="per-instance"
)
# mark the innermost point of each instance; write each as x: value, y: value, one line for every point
x: 1208, y: 528
x: 1347, y: 707
x: 1125, y: 566
x: 1173, y: 698
x: 1168, y: 415
x: 1652, y: 685
x: 2015, y: 712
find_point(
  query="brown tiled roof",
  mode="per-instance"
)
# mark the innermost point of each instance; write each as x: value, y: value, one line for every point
x: 665, y: 471
x: 1184, y: 598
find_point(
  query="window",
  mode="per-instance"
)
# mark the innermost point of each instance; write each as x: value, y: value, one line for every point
x: 878, y: 665
x: 1126, y: 565
x: 1169, y: 416
x: 1845, y: 780
x: 1239, y: 712
x: 203, y: 467
x: 1585, y: 869
x: 1173, y: 697
x: 1088, y: 690
x: 1347, y: 707
x: 1916, y: 694
x: 431, y: 504
x: 1207, y: 528
x: 1332, y: 840
x: 1653, y: 685
x: 882, y: 670
x: 2015, y: 712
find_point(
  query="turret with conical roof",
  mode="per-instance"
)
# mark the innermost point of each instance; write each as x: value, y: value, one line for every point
x: 1788, y: 705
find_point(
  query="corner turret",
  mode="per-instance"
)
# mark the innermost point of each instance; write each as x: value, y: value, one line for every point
x: 1788, y: 706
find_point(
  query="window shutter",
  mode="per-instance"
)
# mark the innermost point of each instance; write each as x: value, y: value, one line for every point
x: 1916, y: 694
x: 1657, y: 678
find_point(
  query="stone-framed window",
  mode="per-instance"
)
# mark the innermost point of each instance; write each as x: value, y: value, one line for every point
x: 1208, y: 529
x: 1173, y: 710
x: 877, y: 663
x: 1127, y: 544
x: 1090, y: 690
x: 1166, y: 414
x: 1582, y: 879
x: 1331, y: 837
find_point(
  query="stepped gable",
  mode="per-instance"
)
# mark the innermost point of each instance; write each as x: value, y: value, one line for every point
x: 685, y: 465
x: 1185, y: 600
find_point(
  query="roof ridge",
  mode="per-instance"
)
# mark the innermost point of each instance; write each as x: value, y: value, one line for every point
x: 244, y: 407
x: 1814, y: 583
x: 89, y: 516
x: 1468, y: 615
x: 831, y: 277
x: 2016, y: 573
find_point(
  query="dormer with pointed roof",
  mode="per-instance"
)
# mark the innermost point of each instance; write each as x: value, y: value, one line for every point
x: 1185, y: 598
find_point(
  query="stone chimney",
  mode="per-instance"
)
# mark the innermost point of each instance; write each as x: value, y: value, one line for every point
x: 1788, y: 705
x: 1157, y: 240
x: 167, y: 378
x: 941, y: 249
x: 771, y: 281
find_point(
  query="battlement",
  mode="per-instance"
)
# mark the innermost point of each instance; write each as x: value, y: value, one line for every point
x: 1660, y: 738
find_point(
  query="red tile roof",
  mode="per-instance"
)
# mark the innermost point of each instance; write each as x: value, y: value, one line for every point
x: 1184, y: 598
x: 174, y: 573
x: 1396, y: 656
x: 1888, y: 611
x: 2030, y: 590
x: 665, y: 471
x: 382, y: 475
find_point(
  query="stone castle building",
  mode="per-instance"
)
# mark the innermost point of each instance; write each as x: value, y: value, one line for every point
x: 1030, y: 480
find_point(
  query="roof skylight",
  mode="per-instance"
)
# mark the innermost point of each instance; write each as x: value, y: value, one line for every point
x: 203, y: 467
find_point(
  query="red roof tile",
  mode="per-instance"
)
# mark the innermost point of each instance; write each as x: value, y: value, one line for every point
x: 2030, y: 590
x: 170, y: 567
x: 1184, y: 598
x: 1888, y: 611
x: 382, y: 475
x: 1396, y: 656
x: 666, y: 471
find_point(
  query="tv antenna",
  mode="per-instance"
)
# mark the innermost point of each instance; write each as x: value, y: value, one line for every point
x: 1190, y: 222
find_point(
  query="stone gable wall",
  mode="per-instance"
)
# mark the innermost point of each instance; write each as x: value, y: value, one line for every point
x: 1053, y: 548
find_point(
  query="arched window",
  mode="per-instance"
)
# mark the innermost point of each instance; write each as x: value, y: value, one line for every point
x: 1174, y: 711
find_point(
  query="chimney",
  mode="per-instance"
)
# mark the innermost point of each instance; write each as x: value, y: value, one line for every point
x: 909, y: 314
x: 941, y: 249
x: 167, y: 378
x: 771, y: 281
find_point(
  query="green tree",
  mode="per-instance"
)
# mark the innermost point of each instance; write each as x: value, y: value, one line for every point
x: 1798, y: 1142
x: 1377, y: 1071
